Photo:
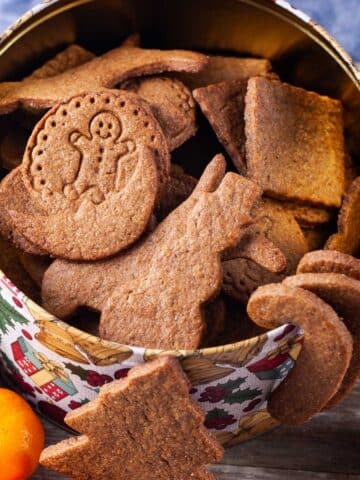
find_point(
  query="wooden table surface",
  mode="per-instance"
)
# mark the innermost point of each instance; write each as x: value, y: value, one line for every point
x: 328, y: 447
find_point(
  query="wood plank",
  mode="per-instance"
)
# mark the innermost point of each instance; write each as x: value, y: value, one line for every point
x: 257, y: 473
x: 330, y: 442
x: 328, y: 447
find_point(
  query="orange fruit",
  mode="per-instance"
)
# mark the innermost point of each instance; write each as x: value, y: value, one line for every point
x: 21, y: 437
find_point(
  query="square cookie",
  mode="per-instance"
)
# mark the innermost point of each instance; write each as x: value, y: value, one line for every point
x: 294, y: 143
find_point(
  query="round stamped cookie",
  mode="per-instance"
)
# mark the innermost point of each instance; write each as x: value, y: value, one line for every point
x: 94, y: 166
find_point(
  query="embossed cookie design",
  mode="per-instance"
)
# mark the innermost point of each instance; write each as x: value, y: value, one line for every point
x: 172, y: 105
x: 244, y: 273
x: 147, y: 298
x: 94, y: 168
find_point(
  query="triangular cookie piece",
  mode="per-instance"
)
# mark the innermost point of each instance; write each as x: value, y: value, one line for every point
x: 223, y: 104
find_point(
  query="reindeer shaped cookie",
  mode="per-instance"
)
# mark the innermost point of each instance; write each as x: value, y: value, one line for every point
x: 152, y: 294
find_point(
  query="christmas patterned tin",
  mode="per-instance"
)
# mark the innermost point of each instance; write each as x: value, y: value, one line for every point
x: 58, y: 367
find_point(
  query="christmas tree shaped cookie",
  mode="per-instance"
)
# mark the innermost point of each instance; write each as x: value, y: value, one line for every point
x: 142, y: 426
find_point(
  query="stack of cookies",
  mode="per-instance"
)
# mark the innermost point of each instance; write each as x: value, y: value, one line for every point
x: 161, y: 189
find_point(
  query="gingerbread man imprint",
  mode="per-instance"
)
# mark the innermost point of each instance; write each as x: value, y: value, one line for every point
x: 101, y: 168
x: 95, y: 163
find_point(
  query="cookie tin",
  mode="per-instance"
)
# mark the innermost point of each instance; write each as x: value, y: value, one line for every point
x: 58, y: 367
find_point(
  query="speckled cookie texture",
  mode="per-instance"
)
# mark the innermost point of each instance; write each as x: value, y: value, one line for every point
x: 220, y: 68
x: 343, y: 294
x: 145, y: 297
x: 116, y: 163
x: 148, y: 437
x: 330, y: 261
x: 172, y: 105
x: 347, y: 238
x: 255, y: 246
x: 325, y: 355
x: 308, y: 216
x: 242, y: 275
x: 105, y: 71
x: 177, y: 190
x: 294, y: 143
x: 15, y: 197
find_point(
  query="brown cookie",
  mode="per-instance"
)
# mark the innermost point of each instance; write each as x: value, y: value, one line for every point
x: 223, y: 104
x: 71, y: 57
x: 308, y: 216
x: 325, y: 355
x: 294, y: 143
x: 221, y: 68
x: 256, y: 247
x: 14, y: 197
x: 141, y: 418
x: 101, y: 72
x: 330, y: 261
x: 347, y: 238
x: 10, y: 264
x: 176, y: 191
x: 116, y: 162
x: 171, y: 104
x: 214, y: 315
x: 241, y: 276
x: 343, y: 294
x: 146, y: 297
x: 35, y: 266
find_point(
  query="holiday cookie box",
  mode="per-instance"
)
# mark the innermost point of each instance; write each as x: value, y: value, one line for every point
x: 58, y: 367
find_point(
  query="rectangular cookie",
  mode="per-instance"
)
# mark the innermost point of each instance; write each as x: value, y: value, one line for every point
x: 294, y: 143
